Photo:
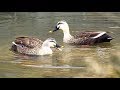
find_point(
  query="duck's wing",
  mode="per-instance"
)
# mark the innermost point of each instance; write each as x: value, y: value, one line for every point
x: 91, y: 37
x: 29, y: 42
x: 83, y: 41
x: 86, y: 34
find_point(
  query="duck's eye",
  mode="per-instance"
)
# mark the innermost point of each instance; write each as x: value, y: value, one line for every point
x: 59, y: 23
x: 22, y: 46
x: 52, y: 41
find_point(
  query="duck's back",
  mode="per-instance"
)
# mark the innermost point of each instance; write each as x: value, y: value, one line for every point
x: 30, y: 42
x: 90, y: 38
x: 26, y: 45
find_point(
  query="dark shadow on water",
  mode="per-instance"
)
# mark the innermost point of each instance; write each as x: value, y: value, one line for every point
x: 101, y: 45
x: 105, y: 45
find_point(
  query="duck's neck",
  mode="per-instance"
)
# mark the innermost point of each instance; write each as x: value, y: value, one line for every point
x: 67, y: 36
x: 45, y: 50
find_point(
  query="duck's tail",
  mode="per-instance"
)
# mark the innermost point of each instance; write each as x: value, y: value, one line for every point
x: 103, y: 37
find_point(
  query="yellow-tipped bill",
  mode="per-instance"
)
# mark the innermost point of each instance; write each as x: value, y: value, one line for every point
x: 50, y: 31
x: 62, y: 46
x: 59, y: 49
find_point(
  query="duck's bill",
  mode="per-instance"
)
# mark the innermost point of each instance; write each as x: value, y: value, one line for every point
x: 55, y: 29
x: 52, y: 31
x: 58, y: 47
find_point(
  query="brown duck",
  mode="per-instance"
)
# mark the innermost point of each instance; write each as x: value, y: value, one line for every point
x: 82, y: 38
x: 34, y: 46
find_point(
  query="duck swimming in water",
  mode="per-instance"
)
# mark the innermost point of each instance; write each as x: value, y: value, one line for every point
x: 34, y: 46
x: 81, y: 38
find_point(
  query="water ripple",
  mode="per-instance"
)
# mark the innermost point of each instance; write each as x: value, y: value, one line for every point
x: 50, y: 66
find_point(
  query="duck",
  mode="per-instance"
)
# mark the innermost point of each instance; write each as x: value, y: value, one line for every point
x: 34, y: 46
x: 81, y: 38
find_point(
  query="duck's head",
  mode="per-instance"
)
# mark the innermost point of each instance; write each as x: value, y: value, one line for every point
x: 61, y: 25
x: 51, y: 42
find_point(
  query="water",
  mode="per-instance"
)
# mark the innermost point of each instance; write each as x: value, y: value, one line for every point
x: 99, y: 61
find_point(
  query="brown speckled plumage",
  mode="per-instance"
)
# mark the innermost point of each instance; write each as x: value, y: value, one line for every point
x: 30, y: 42
x: 34, y: 46
x: 28, y: 45
x: 87, y: 34
x: 84, y: 38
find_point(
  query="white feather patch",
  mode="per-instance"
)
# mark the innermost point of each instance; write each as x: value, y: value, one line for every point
x: 102, y: 33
